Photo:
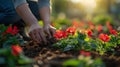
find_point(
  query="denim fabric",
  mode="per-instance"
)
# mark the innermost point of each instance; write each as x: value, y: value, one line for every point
x: 41, y: 3
x: 18, y: 2
x: 8, y: 14
x: 35, y: 5
x: 34, y: 8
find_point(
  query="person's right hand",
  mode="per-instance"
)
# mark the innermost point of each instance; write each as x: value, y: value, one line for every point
x: 37, y: 34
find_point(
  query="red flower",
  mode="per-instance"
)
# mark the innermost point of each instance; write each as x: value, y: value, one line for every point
x: 100, y: 28
x: 85, y: 53
x: 71, y: 30
x: 114, y: 32
x: 60, y: 34
x: 16, y: 50
x: 91, y: 25
x: 104, y: 37
x: 11, y: 30
x: 90, y: 33
x: 109, y: 25
x: 81, y: 24
x: 75, y: 24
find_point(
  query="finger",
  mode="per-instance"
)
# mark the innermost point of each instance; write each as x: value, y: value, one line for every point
x: 32, y: 36
x: 48, y: 33
x: 37, y: 36
x: 42, y: 35
x: 53, y: 31
x: 43, y: 38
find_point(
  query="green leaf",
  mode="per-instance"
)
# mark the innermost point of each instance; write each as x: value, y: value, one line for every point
x: 98, y: 63
x: 93, y: 46
x: 81, y: 36
x: 7, y: 44
x: 71, y: 62
x: 68, y: 47
x: 2, y: 60
x: 10, y: 62
x: 21, y: 42
x: 24, y: 60
x: 4, y: 51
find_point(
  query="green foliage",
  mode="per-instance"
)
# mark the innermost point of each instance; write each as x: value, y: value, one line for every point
x: 83, y: 61
x: 71, y: 62
x: 7, y: 40
x: 22, y: 59
x: 7, y: 59
x: 83, y: 42
x: 102, y: 19
x: 66, y: 44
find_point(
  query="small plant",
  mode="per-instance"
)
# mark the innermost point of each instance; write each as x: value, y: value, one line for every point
x: 67, y: 39
x: 84, y: 60
x: 9, y: 35
x: 11, y: 54
x: 87, y: 40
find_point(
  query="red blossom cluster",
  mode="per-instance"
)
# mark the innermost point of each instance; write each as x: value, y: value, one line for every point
x: 77, y: 24
x: 12, y: 30
x: 60, y: 34
x: 16, y: 50
x: 104, y: 37
x: 109, y: 25
x: 71, y: 30
x: 91, y: 25
x: 112, y: 31
x: 63, y: 34
x: 89, y: 33
x: 100, y: 28
x: 85, y: 53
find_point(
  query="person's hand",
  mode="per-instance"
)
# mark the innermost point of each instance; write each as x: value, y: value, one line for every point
x: 37, y: 33
x: 49, y: 30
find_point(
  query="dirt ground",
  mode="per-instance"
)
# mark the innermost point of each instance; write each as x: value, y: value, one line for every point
x: 48, y: 56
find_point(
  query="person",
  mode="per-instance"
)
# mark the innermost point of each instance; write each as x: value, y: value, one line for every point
x: 30, y: 11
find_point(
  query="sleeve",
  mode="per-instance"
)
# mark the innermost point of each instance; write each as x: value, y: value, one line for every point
x: 42, y: 3
x: 18, y: 2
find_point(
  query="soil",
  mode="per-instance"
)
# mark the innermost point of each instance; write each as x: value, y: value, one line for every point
x: 48, y: 56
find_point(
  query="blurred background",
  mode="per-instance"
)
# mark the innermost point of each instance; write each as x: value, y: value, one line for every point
x: 97, y: 11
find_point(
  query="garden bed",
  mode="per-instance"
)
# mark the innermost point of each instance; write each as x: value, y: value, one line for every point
x: 94, y: 46
x: 49, y: 56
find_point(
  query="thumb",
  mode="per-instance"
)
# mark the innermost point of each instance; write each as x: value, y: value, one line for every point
x: 48, y: 33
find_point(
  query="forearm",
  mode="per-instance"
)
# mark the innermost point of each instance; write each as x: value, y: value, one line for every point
x: 45, y: 15
x: 25, y: 13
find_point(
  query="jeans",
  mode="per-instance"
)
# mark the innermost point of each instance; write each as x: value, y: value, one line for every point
x: 8, y: 14
x: 34, y: 8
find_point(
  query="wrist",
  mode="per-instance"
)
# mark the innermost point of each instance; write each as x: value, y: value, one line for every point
x: 32, y: 23
x: 33, y: 26
x: 46, y: 23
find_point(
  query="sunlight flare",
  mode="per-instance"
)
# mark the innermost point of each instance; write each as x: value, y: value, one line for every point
x: 86, y: 3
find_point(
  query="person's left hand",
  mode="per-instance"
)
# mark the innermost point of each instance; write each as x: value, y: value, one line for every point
x: 49, y: 30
